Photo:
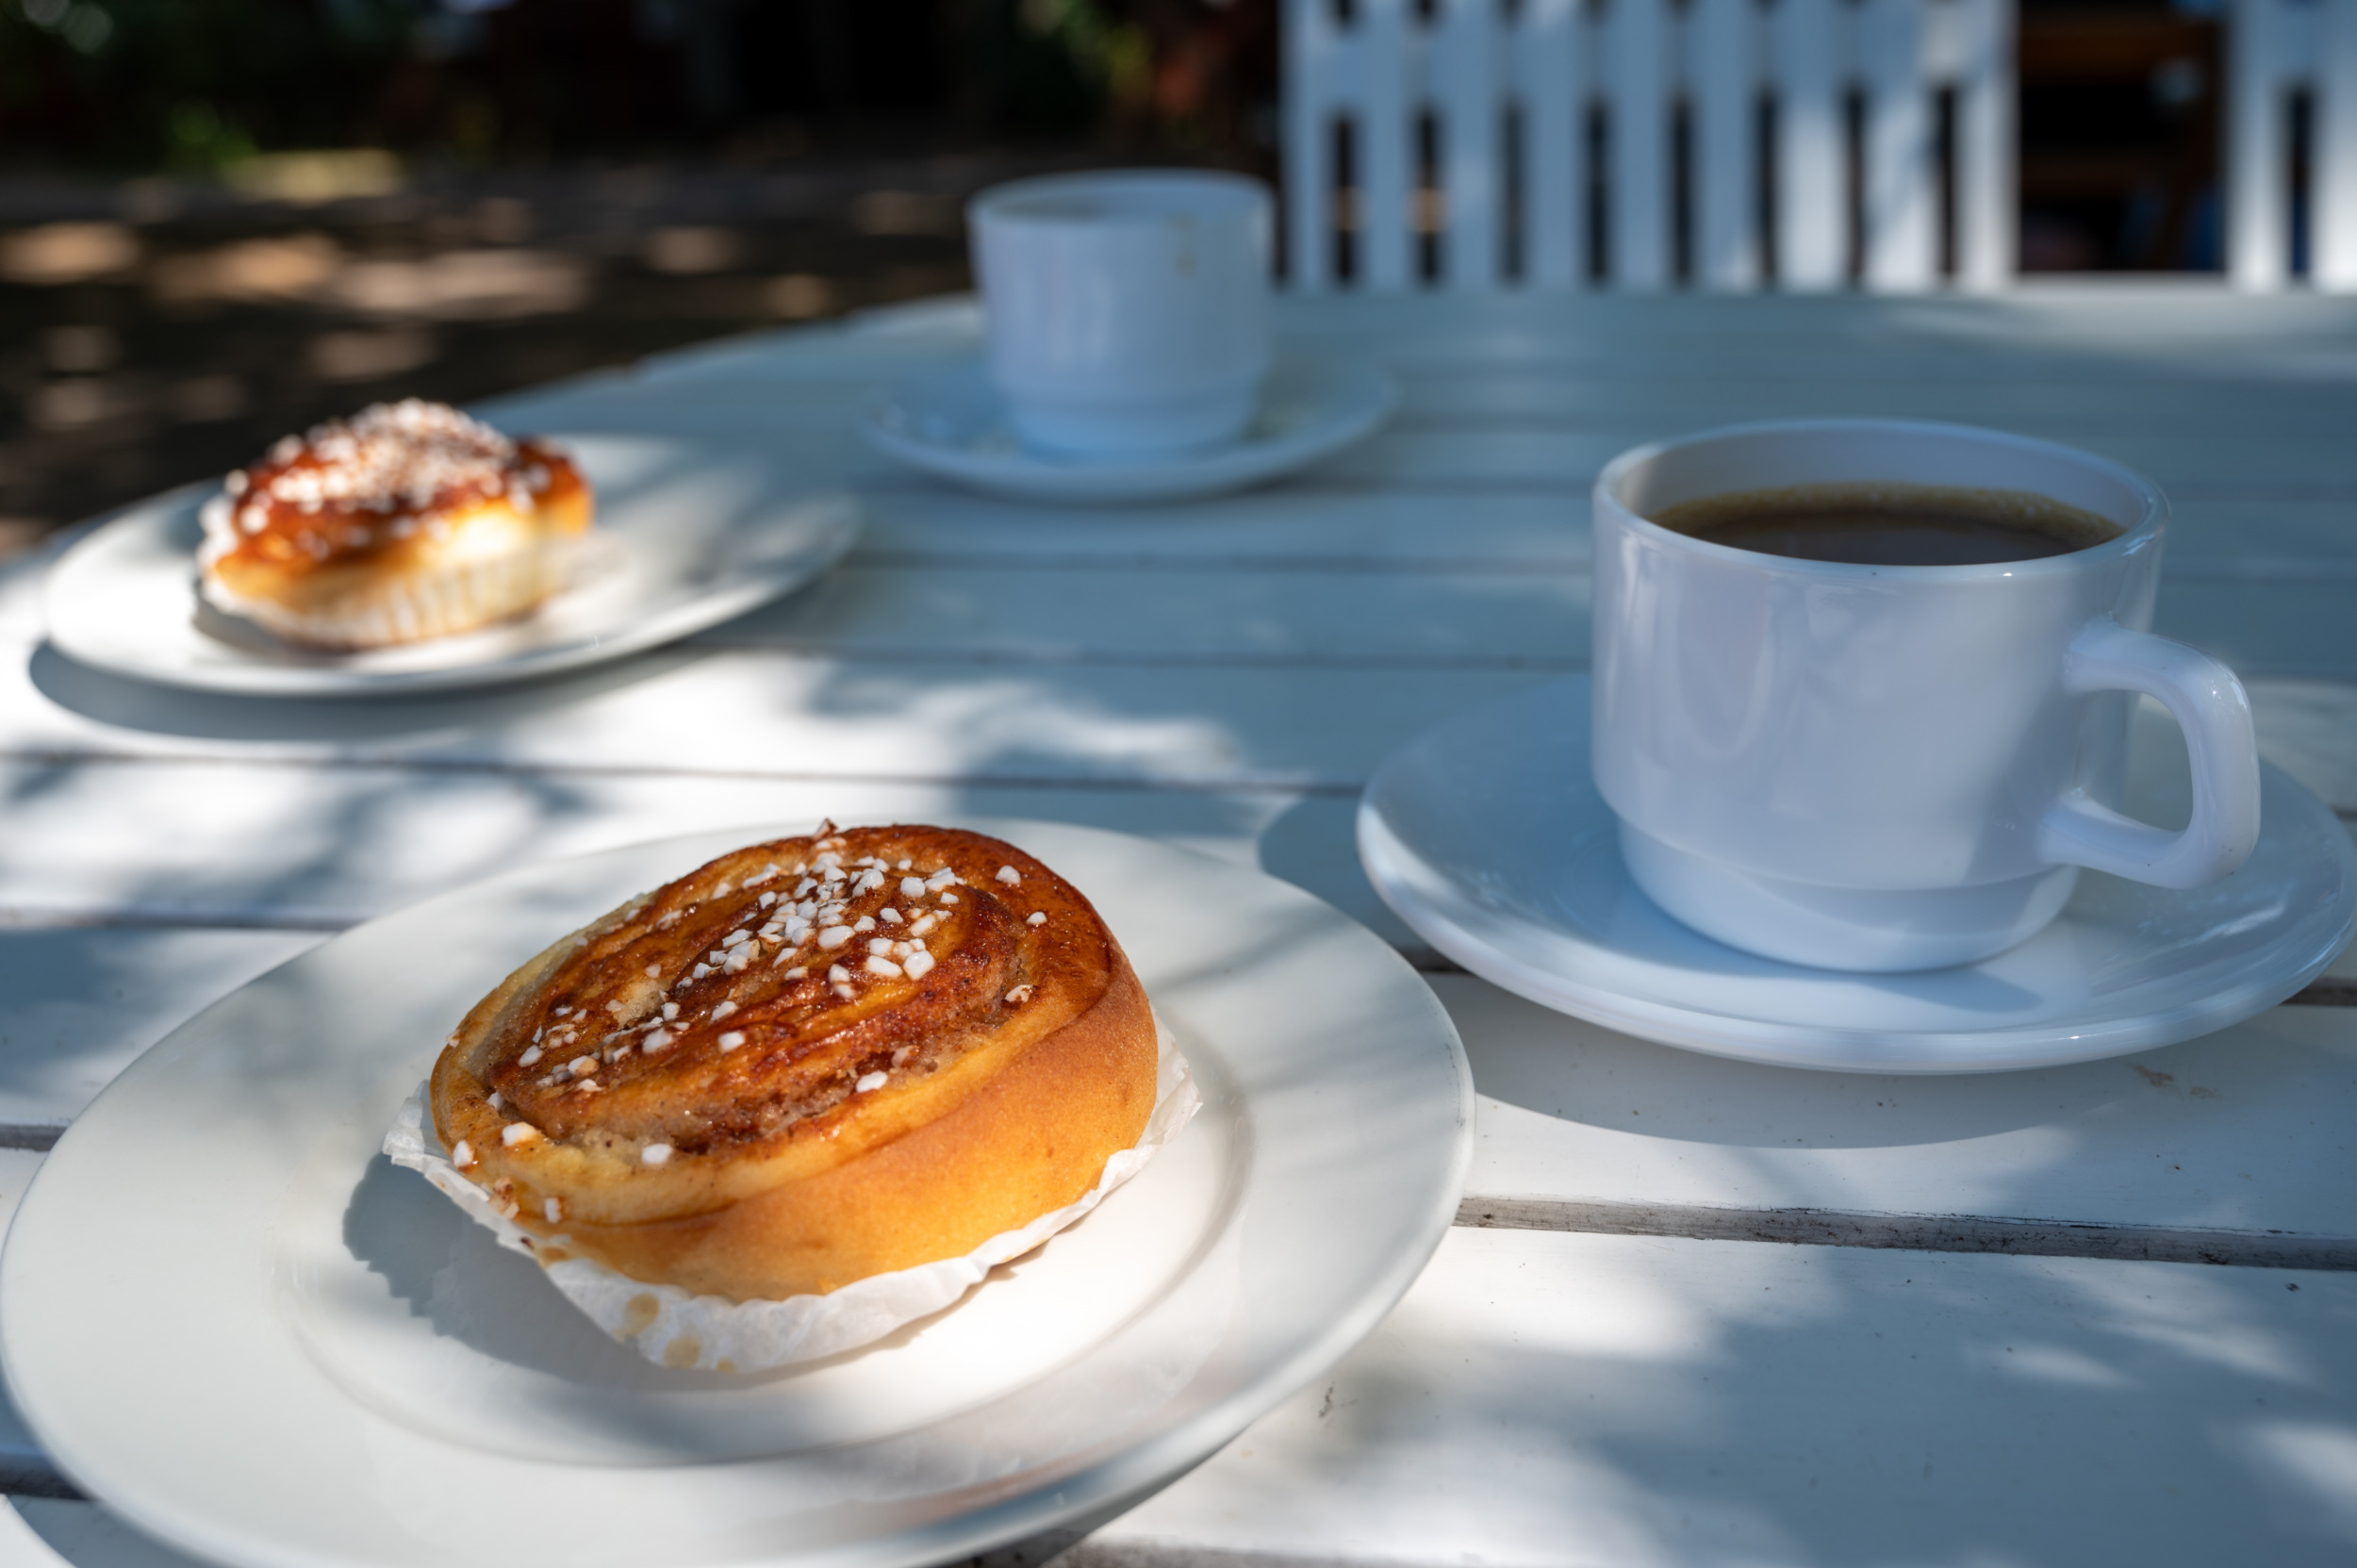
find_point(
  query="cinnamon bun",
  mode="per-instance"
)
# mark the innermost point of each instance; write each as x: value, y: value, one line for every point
x: 407, y: 521
x: 808, y: 1061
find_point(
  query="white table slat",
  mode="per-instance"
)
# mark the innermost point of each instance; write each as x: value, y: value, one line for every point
x: 2292, y: 624
x: 1558, y: 1401
x: 1619, y: 402
x: 21, y: 1459
x: 1637, y: 403
x: 1170, y: 616
x: 219, y: 844
x: 82, y: 1003
x: 2241, y: 1131
x: 1572, y: 1400
x: 748, y: 712
x: 1296, y: 527
x: 2287, y: 625
x: 264, y: 843
x: 1491, y: 457
x: 2060, y: 314
x: 2114, y: 322
x: 37, y: 1532
x: 1282, y: 527
x: 2250, y: 1130
x: 1215, y: 726
x: 1476, y: 456
x: 2097, y: 327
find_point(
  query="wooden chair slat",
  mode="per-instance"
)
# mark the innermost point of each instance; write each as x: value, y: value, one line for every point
x: 2334, y: 221
x: 1988, y: 229
x: 1811, y: 152
x: 1900, y: 216
x: 1725, y: 101
x: 1503, y: 206
x: 1550, y: 82
x: 1471, y: 162
x: 1635, y: 54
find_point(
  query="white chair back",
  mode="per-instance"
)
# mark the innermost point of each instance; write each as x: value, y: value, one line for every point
x: 2277, y: 48
x: 1499, y: 98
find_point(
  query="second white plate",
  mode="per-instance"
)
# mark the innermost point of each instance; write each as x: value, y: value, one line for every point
x: 950, y: 423
x: 688, y: 534
x: 229, y: 1318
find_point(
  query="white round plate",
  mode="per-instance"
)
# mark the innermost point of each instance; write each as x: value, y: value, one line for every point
x: 230, y: 1319
x: 950, y: 422
x: 1487, y: 835
x: 689, y: 534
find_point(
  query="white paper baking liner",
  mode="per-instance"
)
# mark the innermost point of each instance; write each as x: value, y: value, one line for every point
x: 712, y: 1332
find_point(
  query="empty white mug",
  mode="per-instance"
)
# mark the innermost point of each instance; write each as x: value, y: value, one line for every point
x: 1882, y: 767
x: 1128, y: 313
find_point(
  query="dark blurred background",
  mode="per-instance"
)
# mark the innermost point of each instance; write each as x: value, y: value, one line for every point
x: 2119, y: 131
x: 222, y: 220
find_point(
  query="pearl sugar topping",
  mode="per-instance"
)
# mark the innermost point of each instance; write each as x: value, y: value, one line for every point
x: 394, y: 458
x: 817, y: 915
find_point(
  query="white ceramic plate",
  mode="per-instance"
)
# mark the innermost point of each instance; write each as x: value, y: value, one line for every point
x: 229, y: 1318
x: 1487, y: 835
x: 689, y: 534
x: 950, y: 422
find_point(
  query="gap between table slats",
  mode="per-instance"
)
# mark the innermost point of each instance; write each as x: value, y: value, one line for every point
x: 2038, y: 1238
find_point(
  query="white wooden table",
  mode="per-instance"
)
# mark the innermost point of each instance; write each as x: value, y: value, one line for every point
x: 1694, y: 1312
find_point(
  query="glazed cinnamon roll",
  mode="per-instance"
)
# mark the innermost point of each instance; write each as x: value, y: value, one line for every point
x: 409, y: 521
x: 808, y: 1061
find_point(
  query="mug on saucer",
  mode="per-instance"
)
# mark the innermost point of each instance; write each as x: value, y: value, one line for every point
x: 1866, y: 765
x: 1126, y: 313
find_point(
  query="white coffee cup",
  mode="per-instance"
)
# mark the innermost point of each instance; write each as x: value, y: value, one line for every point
x: 1128, y: 313
x: 1883, y: 767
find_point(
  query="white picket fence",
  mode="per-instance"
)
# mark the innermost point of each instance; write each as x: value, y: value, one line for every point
x: 1534, y: 70
x: 2277, y: 48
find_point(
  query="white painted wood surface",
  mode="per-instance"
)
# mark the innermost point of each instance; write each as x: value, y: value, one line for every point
x: 1560, y: 1399
x: 1380, y: 69
x: 1550, y: 1400
x: 23, y: 1467
x: 2334, y: 152
x: 1226, y: 674
x: 2241, y: 1131
x: 47, y: 1533
x: 2278, y: 49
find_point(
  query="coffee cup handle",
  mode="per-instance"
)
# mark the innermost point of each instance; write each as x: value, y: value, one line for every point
x: 2212, y: 709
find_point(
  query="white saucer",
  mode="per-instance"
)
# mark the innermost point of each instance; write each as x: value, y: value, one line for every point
x: 1487, y: 835
x: 689, y: 534
x: 950, y: 422
x: 226, y: 1317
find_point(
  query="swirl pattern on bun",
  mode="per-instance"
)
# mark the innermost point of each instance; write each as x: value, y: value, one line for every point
x: 807, y: 1061
x: 407, y: 521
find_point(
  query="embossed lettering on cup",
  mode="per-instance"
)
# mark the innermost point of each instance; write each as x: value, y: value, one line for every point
x: 1882, y: 767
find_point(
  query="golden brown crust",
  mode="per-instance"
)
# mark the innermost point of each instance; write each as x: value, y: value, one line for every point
x: 808, y: 1112
x: 406, y: 521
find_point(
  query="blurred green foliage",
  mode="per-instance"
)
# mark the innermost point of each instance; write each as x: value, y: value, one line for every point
x: 1064, y: 62
x: 192, y: 84
x: 198, y: 85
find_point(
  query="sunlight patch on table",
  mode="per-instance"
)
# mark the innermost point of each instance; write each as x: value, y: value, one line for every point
x: 2315, y: 1462
x: 2052, y: 1363
x: 2196, y: 1314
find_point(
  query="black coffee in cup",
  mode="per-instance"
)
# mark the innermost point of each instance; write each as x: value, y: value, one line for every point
x: 1871, y: 523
